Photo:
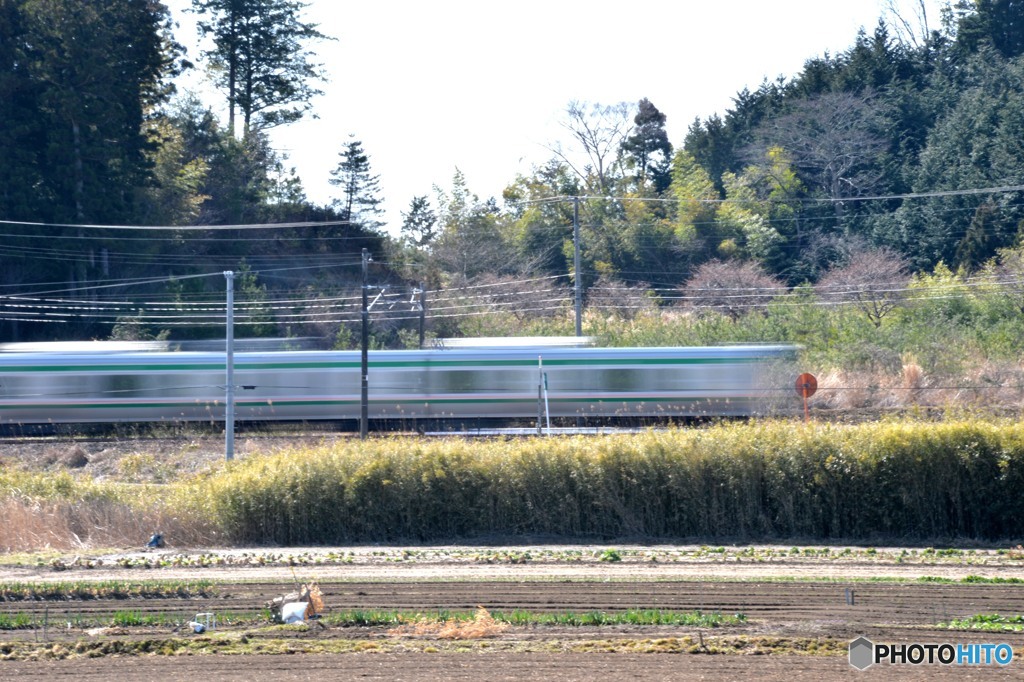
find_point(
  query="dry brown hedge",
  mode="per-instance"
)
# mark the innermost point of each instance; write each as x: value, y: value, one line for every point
x: 917, y: 481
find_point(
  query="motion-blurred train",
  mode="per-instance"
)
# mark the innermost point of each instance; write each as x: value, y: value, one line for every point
x: 80, y: 384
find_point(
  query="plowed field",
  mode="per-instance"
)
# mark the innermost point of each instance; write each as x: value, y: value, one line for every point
x: 799, y: 614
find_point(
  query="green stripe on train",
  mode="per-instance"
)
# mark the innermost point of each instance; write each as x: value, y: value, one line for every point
x: 417, y: 401
x: 213, y: 367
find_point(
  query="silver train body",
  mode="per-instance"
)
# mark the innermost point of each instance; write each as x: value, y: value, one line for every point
x: 129, y: 386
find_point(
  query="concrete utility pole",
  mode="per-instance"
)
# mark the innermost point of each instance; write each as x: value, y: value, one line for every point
x: 364, y: 400
x: 229, y: 362
x: 576, y: 264
x: 423, y: 313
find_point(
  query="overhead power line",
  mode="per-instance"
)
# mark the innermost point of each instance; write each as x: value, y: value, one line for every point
x: 186, y: 228
x: 1000, y: 189
x: 470, y: 303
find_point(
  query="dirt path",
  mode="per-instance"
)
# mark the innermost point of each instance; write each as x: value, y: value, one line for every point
x: 534, y: 562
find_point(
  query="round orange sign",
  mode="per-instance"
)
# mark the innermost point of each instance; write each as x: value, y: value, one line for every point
x: 806, y: 385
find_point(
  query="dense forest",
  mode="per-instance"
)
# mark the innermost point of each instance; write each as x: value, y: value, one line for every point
x: 893, y: 164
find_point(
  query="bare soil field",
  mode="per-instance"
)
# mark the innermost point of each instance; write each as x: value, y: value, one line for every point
x: 497, y: 667
x: 800, y: 612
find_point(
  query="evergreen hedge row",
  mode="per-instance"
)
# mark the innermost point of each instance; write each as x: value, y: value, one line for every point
x: 781, y: 480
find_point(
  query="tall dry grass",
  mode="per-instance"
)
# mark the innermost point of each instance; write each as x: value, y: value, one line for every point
x: 767, y: 480
x: 781, y: 480
x: 31, y: 525
x: 66, y: 513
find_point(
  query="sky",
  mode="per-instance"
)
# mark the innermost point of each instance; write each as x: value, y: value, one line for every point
x: 431, y: 86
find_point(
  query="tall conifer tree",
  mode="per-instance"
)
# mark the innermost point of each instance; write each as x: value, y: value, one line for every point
x: 260, y: 59
x: 360, y: 188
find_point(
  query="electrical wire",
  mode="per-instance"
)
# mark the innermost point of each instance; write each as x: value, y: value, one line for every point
x: 285, y: 309
x: 999, y: 189
x: 187, y: 228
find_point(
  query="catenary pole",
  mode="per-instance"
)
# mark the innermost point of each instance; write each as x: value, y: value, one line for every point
x: 229, y: 363
x: 576, y: 264
x: 364, y: 395
x: 423, y: 313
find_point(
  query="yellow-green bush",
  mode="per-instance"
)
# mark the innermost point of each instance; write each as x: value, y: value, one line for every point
x: 781, y: 480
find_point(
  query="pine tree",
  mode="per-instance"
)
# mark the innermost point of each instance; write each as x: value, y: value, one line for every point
x: 999, y: 23
x: 260, y: 60
x: 361, y: 202
x: 648, y: 151
x: 419, y: 225
x: 98, y: 68
x: 22, y: 133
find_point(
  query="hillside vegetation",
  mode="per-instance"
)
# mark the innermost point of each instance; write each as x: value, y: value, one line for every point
x: 882, y: 174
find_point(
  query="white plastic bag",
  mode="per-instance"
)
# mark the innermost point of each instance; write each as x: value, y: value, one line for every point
x: 295, y: 612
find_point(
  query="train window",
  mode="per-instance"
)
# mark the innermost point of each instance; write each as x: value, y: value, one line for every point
x: 596, y: 380
x: 289, y: 383
x: 120, y: 386
x: 620, y: 379
x: 458, y: 381
x: 58, y: 387
x: 14, y: 385
x: 474, y: 380
x: 659, y: 378
x: 396, y: 380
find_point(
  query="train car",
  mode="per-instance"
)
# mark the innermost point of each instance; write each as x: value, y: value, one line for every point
x: 82, y: 386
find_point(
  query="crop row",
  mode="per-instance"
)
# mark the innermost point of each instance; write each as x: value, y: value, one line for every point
x: 21, y: 620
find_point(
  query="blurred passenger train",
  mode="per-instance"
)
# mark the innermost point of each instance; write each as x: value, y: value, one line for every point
x: 78, y: 385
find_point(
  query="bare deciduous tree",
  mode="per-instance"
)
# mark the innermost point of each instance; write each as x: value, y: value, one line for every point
x: 469, y: 251
x: 492, y: 305
x: 833, y: 140
x: 873, y: 279
x: 911, y: 24
x: 599, y: 131
x: 537, y: 298
x: 612, y: 295
x: 730, y: 287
